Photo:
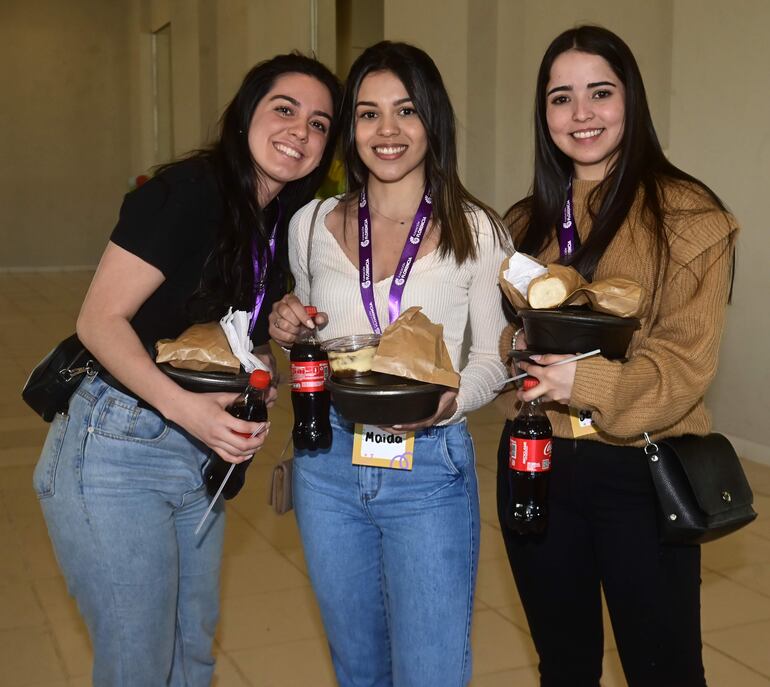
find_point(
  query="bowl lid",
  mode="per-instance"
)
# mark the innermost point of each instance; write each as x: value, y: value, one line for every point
x: 351, y: 343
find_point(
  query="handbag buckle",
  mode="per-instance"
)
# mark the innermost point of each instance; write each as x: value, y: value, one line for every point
x: 69, y: 373
x: 650, y: 448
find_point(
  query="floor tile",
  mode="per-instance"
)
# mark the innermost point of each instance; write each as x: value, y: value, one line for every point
x: 487, y: 478
x: 74, y: 645
x: 269, y: 618
x: 241, y: 536
x: 28, y: 657
x: 742, y: 644
x: 228, y: 674
x: 499, y: 645
x: 521, y: 677
x: 55, y: 600
x: 19, y: 606
x: 492, y: 545
x: 723, y: 671
x: 495, y: 585
x: 297, y: 558
x: 612, y: 671
x: 515, y: 614
x: 292, y: 664
x: 755, y: 577
x: 260, y: 571
x: 736, y: 550
x: 725, y: 603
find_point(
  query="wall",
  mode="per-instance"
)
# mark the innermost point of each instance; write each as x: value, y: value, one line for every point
x: 720, y: 109
x: 488, y: 52
x: 64, y: 129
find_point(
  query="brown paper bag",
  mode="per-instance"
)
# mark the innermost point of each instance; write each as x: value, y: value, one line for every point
x: 201, y: 347
x: 517, y: 297
x: 413, y: 347
x: 615, y: 296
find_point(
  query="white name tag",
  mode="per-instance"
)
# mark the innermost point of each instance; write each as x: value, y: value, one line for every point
x: 376, y: 447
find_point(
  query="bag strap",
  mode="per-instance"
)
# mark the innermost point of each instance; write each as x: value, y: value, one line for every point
x: 310, y: 244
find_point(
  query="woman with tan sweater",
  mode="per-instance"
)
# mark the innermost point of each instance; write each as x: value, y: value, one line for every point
x: 638, y: 217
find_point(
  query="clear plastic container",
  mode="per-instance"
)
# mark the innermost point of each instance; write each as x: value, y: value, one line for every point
x: 351, y: 356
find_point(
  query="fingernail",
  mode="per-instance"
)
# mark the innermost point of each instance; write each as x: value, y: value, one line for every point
x: 537, y: 356
x: 310, y: 324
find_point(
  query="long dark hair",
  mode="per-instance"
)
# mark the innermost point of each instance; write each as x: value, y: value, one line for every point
x: 422, y: 80
x: 228, y: 277
x: 639, y: 165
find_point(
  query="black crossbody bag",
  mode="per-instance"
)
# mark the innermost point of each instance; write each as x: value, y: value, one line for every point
x: 55, y: 378
x: 701, y: 487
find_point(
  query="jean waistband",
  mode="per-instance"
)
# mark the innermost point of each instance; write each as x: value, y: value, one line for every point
x: 340, y: 422
x: 108, y: 379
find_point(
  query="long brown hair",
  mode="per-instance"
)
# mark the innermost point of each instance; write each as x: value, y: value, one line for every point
x: 640, y: 163
x: 422, y: 80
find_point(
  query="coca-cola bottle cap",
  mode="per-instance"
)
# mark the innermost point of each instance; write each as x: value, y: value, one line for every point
x: 259, y: 379
x: 311, y: 310
x: 530, y: 383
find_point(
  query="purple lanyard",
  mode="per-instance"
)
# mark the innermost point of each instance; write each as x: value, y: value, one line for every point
x: 568, y: 237
x: 260, y: 270
x: 404, y: 267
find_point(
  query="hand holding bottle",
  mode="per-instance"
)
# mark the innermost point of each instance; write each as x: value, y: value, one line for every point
x: 204, y: 416
x: 249, y: 406
x: 289, y: 319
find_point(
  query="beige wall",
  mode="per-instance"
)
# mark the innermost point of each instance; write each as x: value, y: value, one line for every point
x: 63, y: 128
x: 76, y: 119
x: 720, y: 111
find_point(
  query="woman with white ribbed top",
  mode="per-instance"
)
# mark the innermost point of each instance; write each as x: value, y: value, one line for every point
x: 392, y: 553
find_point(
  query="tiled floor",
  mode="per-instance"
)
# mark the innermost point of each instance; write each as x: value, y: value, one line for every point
x: 270, y: 633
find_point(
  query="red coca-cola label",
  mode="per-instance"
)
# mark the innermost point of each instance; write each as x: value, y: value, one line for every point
x: 530, y: 455
x: 309, y: 376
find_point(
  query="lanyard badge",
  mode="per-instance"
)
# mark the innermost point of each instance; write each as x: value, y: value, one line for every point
x: 260, y: 270
x: 405, y: 263
x: 376, y: 447
x: 569, y: 241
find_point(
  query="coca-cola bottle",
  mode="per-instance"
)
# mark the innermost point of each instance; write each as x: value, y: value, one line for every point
x: 250, y: 405
x: 530, y: 467
x: 309, y: 396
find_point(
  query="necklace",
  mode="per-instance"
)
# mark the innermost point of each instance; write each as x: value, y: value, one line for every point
x: 377, y: 212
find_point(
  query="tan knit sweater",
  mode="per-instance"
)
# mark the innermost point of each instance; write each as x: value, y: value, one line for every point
x: 673, y: 357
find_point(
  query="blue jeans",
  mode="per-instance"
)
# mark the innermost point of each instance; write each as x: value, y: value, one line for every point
x: 122, y: 492
x: 392, y: 556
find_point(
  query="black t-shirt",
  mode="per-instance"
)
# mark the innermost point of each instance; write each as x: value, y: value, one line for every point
x: 171, y: 222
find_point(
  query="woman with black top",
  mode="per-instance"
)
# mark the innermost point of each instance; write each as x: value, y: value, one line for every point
x: 119, y: 478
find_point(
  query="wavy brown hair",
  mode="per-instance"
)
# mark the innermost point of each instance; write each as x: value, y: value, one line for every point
x: 422, y: 80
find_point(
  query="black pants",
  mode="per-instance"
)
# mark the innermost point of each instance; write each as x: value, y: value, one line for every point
x: 602, y: 534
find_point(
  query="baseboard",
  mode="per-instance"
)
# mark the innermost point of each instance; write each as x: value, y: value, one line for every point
x: 750, y: 450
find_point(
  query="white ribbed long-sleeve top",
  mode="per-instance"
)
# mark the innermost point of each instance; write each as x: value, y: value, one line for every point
x: 456, y: 296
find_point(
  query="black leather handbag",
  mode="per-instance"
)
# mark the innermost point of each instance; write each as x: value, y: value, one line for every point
x: 702, y: 489
x: 55, y: 378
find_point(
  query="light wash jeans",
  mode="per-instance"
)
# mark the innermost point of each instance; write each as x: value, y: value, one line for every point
x: 122, y: 492
x: 392, y: 556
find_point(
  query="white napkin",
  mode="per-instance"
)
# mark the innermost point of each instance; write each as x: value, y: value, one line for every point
x: 236, y: 328
x: 521, y: 270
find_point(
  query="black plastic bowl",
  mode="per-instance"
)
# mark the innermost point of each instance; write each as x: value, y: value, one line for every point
x: 572, y: 330
x: 380, y: 399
